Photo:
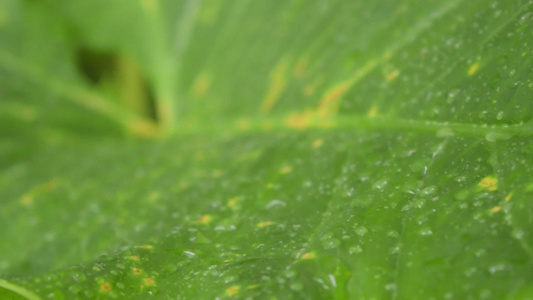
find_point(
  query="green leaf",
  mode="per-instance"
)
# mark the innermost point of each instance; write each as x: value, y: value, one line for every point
x: 314, y: 149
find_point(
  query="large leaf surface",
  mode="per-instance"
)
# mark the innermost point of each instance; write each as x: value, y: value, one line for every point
x: 322, y: 149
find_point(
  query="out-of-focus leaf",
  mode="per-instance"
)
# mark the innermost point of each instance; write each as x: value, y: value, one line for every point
x: 321, y: 149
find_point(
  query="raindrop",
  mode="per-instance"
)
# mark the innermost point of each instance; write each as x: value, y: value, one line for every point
x: 274, y: 203
x: 189, y: 254
x: 499, y: 116
x: 296, y: 286
x: 428, y: 190
x: 355, y: 249
x: 361, y: 231
x: 426, y: 231
x: 380, y: 184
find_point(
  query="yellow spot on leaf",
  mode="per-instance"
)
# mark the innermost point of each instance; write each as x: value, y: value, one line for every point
x: 270, y: 185
x: 26, y: 200
x: 495, y: 209
x: 201, y: 85
x: 299, y: 121
x: 137, y: 271
x: 244, y: 124
x: 134, y: 257
x: 233, y: 201
x: 309, y: 255
x: 183, y: 185
x: 372, y: 112
x: 217, y: 173
x: 149, y: 281
x: 317, y: 143
x: 276, y: 86
x: 204, y: 219
x: 233, y: 290
x: 473, y: 68
x: 105, y: 287
x: 508, y: 197
x: 286, y: 170
x: 489, y: 183
x: 149, y: 5
x: 264, y: 224
x: 329, y: 102
x: 252, y: 286
x: 143, y: 128
x: 147, y: 247
x: 390, y: 76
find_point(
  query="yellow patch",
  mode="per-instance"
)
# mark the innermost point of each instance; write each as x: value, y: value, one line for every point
x: 473, y: 68
x: 276, y: 86
x: 147, y: 247
x: 233, y: 201
x: 105, y: 287
x: 329, y: 102
x: 137, y: 271
x: 149, y: 281
x: 299, y: 121
x: 201, y: 85
x: 217, y: 173
x: 233, y: 290
x: 204, y: 219
x: 317, y: 143
x: 252, y: 286
x: 372, y: 112
x: 264, y: 224
x: 495, y: 209
x: 508, y: 197
x: 489, y: 183
x: 286, y: 170
x: 270, y: 185
x: 134, y: 257
x: 309, y: 255
x: 244, y: 124
x: 28, y: 198
x: 390, y: 76
x: 150, y: 5
x: 143, y: 128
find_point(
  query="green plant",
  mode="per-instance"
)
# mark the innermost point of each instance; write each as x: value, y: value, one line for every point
x: 266, y: 149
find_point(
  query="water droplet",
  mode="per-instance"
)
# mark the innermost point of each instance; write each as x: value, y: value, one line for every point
x: 393, y: 234
x: 290, y: 273
x: 361, y: 231
x: 426, y: 231
x: 496, y: 268
x: 355, y: 249
x: 428, y: 190
x: 499, y: 116
x: 275, y: 203
x: 518, y: 233
x: 296, y: 286
x: 189, y: 254
x: 380, y: 184
x: 497, y: 136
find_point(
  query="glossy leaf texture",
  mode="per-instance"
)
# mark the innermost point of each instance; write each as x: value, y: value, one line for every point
x: 313, y: 150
